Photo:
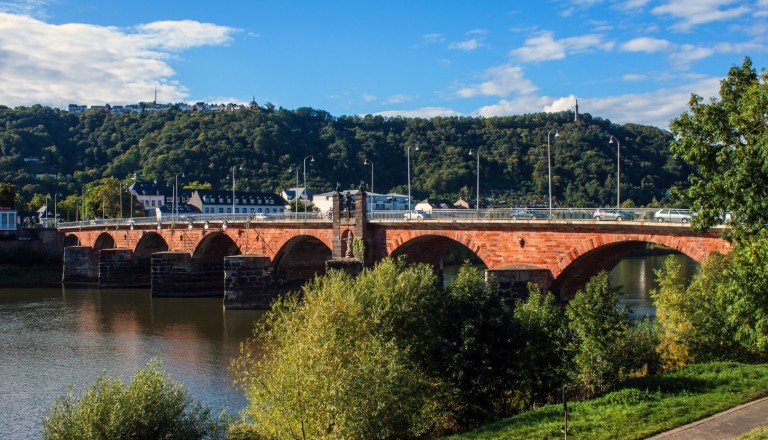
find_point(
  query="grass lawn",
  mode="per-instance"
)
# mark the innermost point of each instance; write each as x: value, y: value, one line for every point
x: 639, y: 408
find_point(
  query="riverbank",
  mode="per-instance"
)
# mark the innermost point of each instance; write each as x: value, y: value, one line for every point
x: 639, y: 408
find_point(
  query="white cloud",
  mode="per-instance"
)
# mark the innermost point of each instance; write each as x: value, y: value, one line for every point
x: 691, y: 13
x: 424, y: 112
x: 631, y: 5
x: 655, y: 108
x: 544, y: 47
x: 634, y: 77
x: 368, y: 97
x: 89, y: 64
x: 398, y: 99
x: 689, y: 53
x: 647, y: 45
x: 31, y: 8
x: 502, y: 81
x: 466, y: 45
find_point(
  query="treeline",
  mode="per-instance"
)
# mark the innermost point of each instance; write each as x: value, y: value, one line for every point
x: 47, y: 151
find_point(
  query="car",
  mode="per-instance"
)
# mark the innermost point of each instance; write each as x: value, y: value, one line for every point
x: 415, y: 215
x: 258, y: 216
x: 612, y: 214
x: 526, y: 214
x: 672, y: 215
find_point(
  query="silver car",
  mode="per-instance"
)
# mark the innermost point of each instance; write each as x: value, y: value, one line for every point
x: 612, y: 214
x: 672, y: 215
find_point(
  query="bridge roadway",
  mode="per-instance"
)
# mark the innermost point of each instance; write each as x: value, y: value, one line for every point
x: 258, y: 257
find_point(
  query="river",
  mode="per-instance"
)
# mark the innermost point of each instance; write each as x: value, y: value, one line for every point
x: 53, y: 337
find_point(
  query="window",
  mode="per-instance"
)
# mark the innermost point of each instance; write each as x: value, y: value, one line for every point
x: 153, y: 203
x: 251, y: 209
x: 258, y: 210
x: 229, y: 210
x: 237, y: 210
x: 221, y: 210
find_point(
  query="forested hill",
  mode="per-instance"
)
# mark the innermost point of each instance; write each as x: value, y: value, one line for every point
x: 44, y: 150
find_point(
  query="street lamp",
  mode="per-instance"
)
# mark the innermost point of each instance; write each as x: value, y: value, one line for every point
x: 618, y: 170
x: 233, y: 188
x: 370, y: 162
x: 408, y: 152
x: 295, y: 193
x: 47, y: 196
x: 175, y: 212
x: 55, y: 214
x: 549, y: 168
x: 477, y: 201
x: 305, y: 181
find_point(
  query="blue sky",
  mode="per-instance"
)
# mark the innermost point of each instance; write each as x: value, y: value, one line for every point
x: 626, y: 60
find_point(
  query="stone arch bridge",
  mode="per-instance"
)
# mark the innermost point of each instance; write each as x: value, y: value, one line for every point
x: 250, y: 261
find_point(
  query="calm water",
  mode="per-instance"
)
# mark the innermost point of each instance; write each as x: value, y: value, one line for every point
x: 51, y: 337
x: 637, y: 277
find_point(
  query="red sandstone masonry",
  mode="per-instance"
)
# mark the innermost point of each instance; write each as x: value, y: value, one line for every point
x: 553, y: 246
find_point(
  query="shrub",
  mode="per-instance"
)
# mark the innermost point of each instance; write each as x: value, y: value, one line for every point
x: 150, y: 406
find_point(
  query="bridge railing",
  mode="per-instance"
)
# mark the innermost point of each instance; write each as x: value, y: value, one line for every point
x: 523, y: 214
x: 452, y: 215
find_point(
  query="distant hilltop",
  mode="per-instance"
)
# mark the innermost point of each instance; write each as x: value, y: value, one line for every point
x: 150, y: 107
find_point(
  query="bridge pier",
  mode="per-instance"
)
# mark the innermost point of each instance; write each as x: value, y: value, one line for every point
x: 119, y: 268
x: 81, y: 265
x: 512, y: 280
x: 249, y: 282
x: 176, y: 274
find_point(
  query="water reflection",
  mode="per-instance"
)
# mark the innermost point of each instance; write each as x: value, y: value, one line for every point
x: 54, y: 337
x: 637, y: 278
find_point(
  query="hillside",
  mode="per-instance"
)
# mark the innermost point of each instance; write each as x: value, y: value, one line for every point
x: 44, y: 150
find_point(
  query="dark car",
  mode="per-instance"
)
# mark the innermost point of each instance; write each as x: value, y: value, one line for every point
x: 526, y: 214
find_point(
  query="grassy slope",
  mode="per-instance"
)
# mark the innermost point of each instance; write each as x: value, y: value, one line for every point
x: 639, y: 408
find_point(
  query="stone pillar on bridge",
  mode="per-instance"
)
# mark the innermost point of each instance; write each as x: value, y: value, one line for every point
x: 176, y: 274
x: 249, y: 282
x: 348, y: 225
x: 81, y: 265
x: 512, y: 280
x: 118, y: 268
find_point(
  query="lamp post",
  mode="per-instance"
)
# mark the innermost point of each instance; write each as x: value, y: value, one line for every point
x: 295, y: 193
x: 120, y: 196
x: 305, y: 180
x: 233, y: 188
x: 549, y: 168
x: 618, y: 170
x: 370, y: 162
x: 135, y: 179
x: 175, y: 212
x: 47, y: 196
x: 55, y: 214
x: 477, y: 200
x: 408, y: 152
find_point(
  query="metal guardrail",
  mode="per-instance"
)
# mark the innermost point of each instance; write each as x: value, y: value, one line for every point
x: 438, y: 215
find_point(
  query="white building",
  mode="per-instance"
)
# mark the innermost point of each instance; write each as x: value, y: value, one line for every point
x: 379, y: 202
x: 8, y: 221
x: 220, y: 202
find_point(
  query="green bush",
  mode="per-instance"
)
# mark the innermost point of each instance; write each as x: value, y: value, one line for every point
x: 151, y: 406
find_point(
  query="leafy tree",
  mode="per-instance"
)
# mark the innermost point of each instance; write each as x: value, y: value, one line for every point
x: 151, y: 405
x: 198, y: 185
x: 7, y: 195
x: 725, y: 140
x: 546, y: 360
x: 600, y: 328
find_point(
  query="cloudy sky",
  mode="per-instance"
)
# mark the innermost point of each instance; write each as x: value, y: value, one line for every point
x: 625, y: 60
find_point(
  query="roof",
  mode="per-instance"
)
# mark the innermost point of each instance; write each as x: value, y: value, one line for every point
x: 243, y: 197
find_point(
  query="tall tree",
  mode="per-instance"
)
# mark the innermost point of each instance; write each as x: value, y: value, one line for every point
x: 725, y: 140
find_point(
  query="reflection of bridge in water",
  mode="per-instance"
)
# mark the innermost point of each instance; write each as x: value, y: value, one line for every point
x: 248, y: 260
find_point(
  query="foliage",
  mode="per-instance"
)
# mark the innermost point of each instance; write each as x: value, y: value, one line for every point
x: 600, y: 328
x: 387, y: 354
x: 7, y: 195
x: 333, y: 367
x: 699, y: 321
x: 726, y: 141
x: 198, y: 185
x: 546, y: 355
x: 49, y: 151
x: 358, y: 249
x: 745, y: 295
x: 150, y: 406
x: 639, y: 408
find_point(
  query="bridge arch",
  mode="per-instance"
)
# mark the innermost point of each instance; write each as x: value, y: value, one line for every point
x: 104, y: 241
x: 596, y: 258
x: 71, y: 240
x: 214, y: 247
x: 301, y: 258
x: 431, y: 248
x: 148, y: 244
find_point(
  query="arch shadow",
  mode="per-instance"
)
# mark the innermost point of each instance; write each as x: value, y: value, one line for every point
x: 71, y: 240
x: 104, y: 241
x: 300, y: 259
x: 437, y: 251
